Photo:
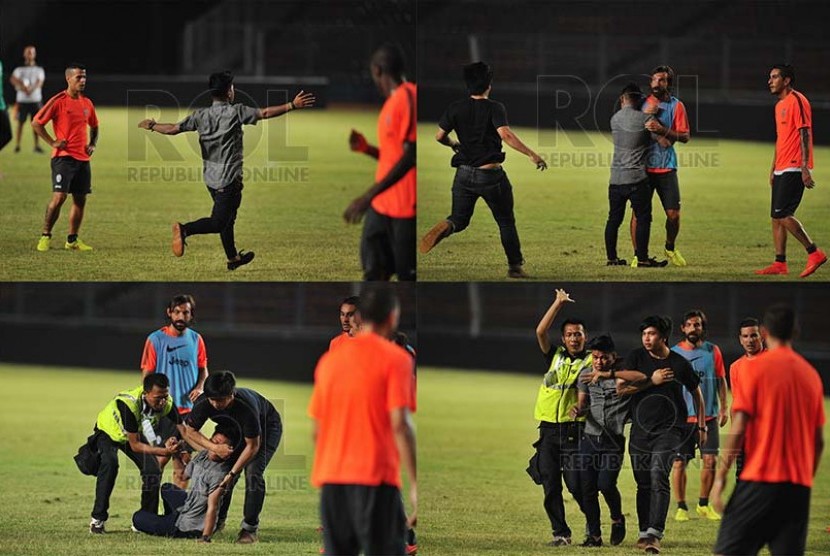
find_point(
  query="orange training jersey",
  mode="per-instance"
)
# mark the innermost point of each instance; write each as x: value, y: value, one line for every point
x: 784, y: 398
x: 356, y: 386
x: 792, y: 113
x: 339, y: 339
x: 396, y: 125
x: 70, y: 118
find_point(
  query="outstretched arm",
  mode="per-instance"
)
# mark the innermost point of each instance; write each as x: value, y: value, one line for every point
x: 164, y: 129
x: 514, y: 142
x: 302, y: 100
x: 356, y: 209
x: 544, y: 325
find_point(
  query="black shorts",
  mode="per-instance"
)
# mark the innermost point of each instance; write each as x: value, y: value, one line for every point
x: 359, y: 518
x: 758, y: 514
x: 71, y: 176
x: 667, y: 187
x: 27, y: 110
x: 691, y: 441
x: 387, y: 247
x: 787, y: 190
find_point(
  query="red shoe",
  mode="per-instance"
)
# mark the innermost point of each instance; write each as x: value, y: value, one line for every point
x: 814, y: 260
x: 775, y: 268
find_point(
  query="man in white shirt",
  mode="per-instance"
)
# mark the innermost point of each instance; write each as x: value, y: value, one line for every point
x: 28, y: 81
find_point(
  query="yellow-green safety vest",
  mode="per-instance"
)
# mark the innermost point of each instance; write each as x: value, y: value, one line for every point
x: 558, y: 392
x: 109, y: 420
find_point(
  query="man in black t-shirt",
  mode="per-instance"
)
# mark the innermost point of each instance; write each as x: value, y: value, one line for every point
x: 481, y: 126
x: 247, y: 415
x: 656, y: 378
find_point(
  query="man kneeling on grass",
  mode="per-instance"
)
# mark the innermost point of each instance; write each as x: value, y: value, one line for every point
x: 191, y: 514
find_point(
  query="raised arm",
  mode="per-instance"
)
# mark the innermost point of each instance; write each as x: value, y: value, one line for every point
x: 514, y: 142
x: 544, y: 325
x: 302, y: 100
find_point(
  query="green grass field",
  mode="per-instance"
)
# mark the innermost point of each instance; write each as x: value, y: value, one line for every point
x: 291, y: 213
x: 561, y: 212
x: 476, y: 431
x: 45, y: 501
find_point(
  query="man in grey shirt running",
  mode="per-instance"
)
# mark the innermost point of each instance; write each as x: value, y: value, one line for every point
x: 190, y: 514
x: 220, y: 136
x: 629, y: 181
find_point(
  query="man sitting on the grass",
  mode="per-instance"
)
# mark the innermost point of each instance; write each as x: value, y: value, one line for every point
x: 191, y: 514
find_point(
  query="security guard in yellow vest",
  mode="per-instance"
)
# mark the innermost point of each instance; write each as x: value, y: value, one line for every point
x: 560, y: 427
x: 129, y: 423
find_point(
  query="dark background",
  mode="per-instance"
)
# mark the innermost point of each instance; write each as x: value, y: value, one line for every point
x: 587, y: 50
x: 493, y: 326
x: 174, y: 44
x: 266, y: 330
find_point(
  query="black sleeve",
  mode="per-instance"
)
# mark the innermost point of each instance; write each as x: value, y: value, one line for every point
x: 127, y: 417
x: 199, y: 414
x: 499, y: 115
x: 685, y: 374
x: 632, y: 362
x: 174, y: 415
x: 250, y: 425
x: 548, y: 357
x: 445, y: 122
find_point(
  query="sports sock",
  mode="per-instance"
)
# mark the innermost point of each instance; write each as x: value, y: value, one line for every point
x: 71, y: 238
x: 683, y: 506
x: 46, y: 235
x: 669, y: 246
x: 781, y: 258
x: 703, y: 502
x: 811, y: 249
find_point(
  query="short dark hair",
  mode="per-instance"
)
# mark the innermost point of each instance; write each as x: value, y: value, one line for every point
x: 572, y: 320
x: 377, y: 302
x: 603, y: 342
x: 389, y: 57
x: 156, y: 379
x: 665, y: 69
x: 74, y: 65
x: 228, y: 433
x: 478, y: 76
x: 632, y: 92
x: 786, y: 70
x: 220, y: 82
x: 220, y: 384
x: 661, y: 324
x: 694, y: 313
x: 748, y: 321
x: 351, y: 300
x: 779, y: 320
x: 181, y: 299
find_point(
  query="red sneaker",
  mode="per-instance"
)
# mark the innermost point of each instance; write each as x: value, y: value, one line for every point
x: 775, y: 268
x: 814, y: 260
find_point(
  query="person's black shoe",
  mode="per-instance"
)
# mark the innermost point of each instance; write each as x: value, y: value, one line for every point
x: 616, y: 262
x: 242, y: 258
x: 17, y: 149
x: 651, y: 263
x: 515, y: 271
x: 618, y: 532
x: 591, y: 541
x: 39, y: 150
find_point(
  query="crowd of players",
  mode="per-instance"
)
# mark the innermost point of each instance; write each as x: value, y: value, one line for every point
x: 361, y: 406
x: 675, y: 398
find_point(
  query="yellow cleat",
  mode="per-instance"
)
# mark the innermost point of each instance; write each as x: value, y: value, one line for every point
x: 43, y: 243
x: 77, y: 245
x: 681, y: 515
x: 708, y: 513
x: 675, y: 258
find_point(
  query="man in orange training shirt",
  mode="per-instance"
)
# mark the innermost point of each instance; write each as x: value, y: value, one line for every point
x: 362, y: 433
x: 778, y: 415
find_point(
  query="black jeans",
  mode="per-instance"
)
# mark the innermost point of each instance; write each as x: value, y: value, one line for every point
x: 652, y: 456
x: 387, y: 247
x: 494, y: 187
x: 5, y: 129
x: 222, y: 218
x: 360, y: 518
x: 165, y: 525
x: 108, y: 471
x: 558, y: 450
x: 600, y: 460
x: 255, y: 475
x: 640, y: 196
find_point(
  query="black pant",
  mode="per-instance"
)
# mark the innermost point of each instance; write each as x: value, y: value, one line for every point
x: 652, y: 456
x: 363, y: 518
x: 255, y: 475
x: 494, y: 187
x: 108, y: 471
x: 558, y: 450
x: 387, y: 247
x: 640, y: 196
x: 165, y: 525
x: 600, y: 460
x: 222, y: 218
x: 5, y: 129
x: 758, y: 514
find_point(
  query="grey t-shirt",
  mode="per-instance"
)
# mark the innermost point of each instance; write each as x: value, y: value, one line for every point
x: 220, y: 136
x: 607, y: 410
x: 631, y: 142
x: 205, y: 475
